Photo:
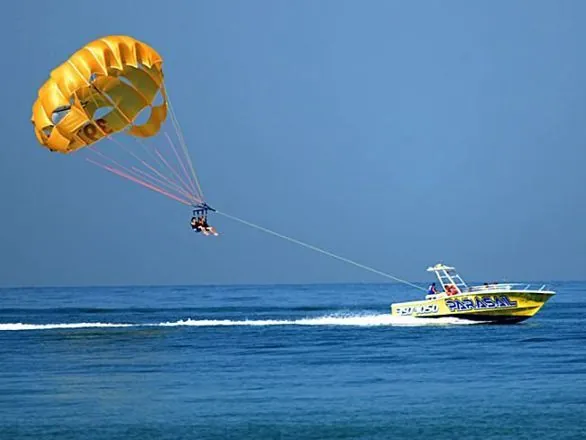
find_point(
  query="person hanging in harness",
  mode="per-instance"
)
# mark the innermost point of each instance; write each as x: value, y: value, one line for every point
x: 199, y: 221
x: 196, y: 223
x: 206, y: 228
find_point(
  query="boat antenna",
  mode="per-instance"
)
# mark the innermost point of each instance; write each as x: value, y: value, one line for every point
x: 317, y: 249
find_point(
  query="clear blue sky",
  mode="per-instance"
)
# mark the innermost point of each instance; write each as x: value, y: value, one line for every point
x: 394, y: 133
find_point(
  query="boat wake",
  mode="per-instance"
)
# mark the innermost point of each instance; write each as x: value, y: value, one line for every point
x: 327, y: 320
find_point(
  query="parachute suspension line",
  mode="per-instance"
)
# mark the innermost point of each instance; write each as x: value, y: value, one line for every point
x: 181, y: 139
x: 140, y: 182
x: 173, y: 177
x: 315, y: 248
x: 178, y: 187
x: 121, y: 169
x: 191, y: 183
x: 160, y: 182
x: 128, y: 174
x: 180, y: 182
x: 115, y: 105
x: 135, y: 173
x: 169, y: 183
x: 171, y: 168
x: 132, y: 176
x: 175, y: 122
x: 157, y: 160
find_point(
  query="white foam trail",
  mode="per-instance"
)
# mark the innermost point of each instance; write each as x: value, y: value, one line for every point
x: 21, y: 326
x: 379, y: 320
x: 328, y: 320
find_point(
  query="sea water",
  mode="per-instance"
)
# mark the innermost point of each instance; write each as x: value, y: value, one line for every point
x: 283, y: 362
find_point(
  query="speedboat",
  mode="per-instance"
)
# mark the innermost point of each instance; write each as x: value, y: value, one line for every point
x: 501, y: 303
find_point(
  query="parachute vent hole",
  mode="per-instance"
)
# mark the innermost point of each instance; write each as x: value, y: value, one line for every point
x: 158, y: 99
x: 125, y: 81
x: 143, y: 117
x: 102, y: 111
x: 59, y: 113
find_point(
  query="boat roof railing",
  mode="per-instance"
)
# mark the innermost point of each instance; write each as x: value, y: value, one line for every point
x: 504, y: 286
x: 448, y: 275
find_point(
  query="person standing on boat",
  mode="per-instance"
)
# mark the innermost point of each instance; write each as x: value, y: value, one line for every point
x: 431, y: 290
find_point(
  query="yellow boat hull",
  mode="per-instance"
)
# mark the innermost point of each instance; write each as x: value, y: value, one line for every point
x: 503, y: 307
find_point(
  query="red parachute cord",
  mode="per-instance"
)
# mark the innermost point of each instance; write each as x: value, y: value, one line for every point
x: 163, y: 184
x: 135, y: 171
x: 140, y: 182
x: 180, y: 185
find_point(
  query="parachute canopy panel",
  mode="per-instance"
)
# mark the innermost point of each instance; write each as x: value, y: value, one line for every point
x: 113, y: 88
x: 101, y: 90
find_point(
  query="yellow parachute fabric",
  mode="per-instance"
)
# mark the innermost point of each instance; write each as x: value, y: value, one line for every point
x: 100, y: 90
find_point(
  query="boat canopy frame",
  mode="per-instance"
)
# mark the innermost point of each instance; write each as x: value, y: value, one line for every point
x: 447, y: 275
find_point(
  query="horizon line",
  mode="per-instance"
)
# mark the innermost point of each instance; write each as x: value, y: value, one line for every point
x: 77, y: 286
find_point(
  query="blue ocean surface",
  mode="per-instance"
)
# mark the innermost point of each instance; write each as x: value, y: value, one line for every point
x: 283, y: 362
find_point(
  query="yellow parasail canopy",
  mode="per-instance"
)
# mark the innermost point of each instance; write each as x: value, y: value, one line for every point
x: 101, y: 90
